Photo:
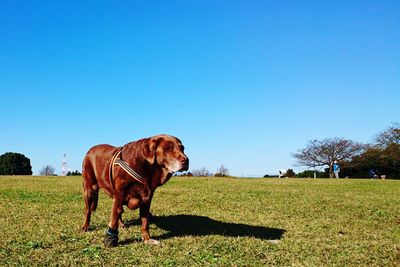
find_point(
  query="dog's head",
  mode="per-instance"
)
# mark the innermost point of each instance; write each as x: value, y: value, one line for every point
x: 167, y: 152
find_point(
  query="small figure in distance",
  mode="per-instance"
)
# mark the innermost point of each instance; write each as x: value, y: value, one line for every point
x: 336, y: 169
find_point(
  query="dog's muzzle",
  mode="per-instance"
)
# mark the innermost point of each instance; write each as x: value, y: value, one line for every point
x: 185, y: 164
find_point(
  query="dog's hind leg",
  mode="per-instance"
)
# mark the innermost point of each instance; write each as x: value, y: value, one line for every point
x: 90, y: 195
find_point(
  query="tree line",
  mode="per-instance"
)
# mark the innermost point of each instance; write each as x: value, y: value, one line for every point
x: 356, y: 160
x: 222, y: 171
x: 12, y: 163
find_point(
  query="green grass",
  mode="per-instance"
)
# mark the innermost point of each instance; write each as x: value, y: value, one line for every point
x: 207, y: 222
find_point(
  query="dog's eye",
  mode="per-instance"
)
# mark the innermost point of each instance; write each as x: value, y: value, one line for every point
x: 169, y: 148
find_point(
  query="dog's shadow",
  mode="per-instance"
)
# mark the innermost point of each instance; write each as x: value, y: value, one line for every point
x: 193, y: 225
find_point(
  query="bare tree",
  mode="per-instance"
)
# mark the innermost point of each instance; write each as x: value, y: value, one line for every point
x: 47, y: 170
x: 324, y: 152
x: 201, y: 172
x: 222, y: 171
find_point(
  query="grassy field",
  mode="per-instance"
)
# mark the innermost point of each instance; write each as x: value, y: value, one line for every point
x: 207, y: 222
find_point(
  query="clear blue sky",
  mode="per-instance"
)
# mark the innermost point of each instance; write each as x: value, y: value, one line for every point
x: 241, y: 83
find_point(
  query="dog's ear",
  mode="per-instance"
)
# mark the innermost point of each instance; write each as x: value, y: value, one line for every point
x: 149, y: 150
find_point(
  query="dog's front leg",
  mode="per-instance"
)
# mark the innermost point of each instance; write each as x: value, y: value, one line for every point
x: 144, y: 219
x: 111, y: 238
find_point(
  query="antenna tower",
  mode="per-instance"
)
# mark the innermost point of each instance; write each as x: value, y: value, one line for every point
x: 64, y: 165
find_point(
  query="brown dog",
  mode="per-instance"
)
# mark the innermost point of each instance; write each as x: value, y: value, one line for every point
x: 130, y: 175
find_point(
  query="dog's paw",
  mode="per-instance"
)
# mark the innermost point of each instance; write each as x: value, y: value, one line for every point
x: 111, y: 238
x: 85, y: 228
x: 152, y: 242
x: 110, y: 241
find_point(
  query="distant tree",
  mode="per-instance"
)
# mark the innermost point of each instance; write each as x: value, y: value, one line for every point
x: 290, y: 173
x: 202, y: 172
x: 384, y: 161
x: 183, y: 174
x: 47, y: 170
x: 222, y: 172
x: 391, y: 161
x: 389, y: 137
x: 74, y: 173
x: 15, y: 164
x: 383, y: 156
x: 324, y: 152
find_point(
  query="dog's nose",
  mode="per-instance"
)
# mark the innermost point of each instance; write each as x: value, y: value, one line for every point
x: 185, y: 162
